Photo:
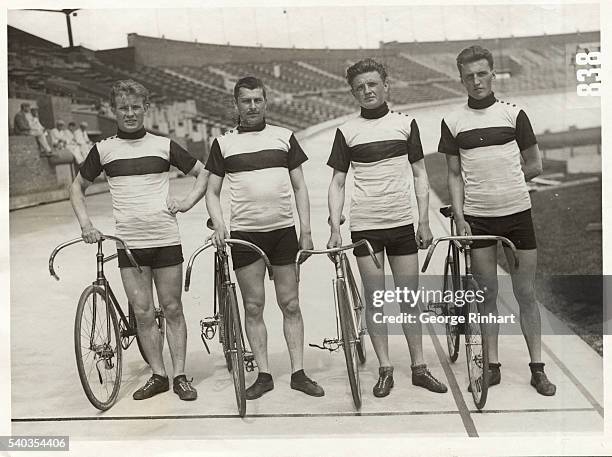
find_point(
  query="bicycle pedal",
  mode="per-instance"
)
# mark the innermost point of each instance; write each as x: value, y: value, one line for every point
x: 249, y: 362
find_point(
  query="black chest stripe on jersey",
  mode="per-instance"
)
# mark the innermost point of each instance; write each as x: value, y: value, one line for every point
x: 138, y: 166
x: 378, y: 150
x: 259, y: 160
x: 490, y: 136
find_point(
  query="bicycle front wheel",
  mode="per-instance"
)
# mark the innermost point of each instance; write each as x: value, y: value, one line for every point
x: 451, y: 285
x: 358, y: 313
x: 477, y: 352
x: 235, y: 349
x: 349, y: 341
x: 97, y: 347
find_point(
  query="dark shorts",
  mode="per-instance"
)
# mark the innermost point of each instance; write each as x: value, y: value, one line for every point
x: 517, y: 227
x: 396, y: 240
x: 281, y: 247
x: 165, y: 256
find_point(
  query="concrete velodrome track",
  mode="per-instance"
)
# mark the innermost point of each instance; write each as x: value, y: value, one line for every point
x: 47, y: 398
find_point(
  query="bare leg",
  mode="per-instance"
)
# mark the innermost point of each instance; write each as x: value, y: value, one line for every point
x: 285, y: 283
x: 168, y: 282
x: 484, y: 267
x: 139, y: 290
x: 373, y: 279
x: 405, y: 269
x: 523, y: 286
x: 251, y: 282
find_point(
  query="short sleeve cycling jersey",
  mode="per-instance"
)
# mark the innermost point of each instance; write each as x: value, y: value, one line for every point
x: 136, y: 167
x: 257, y: 164
x: 489, y: 138
x: 380, y: 151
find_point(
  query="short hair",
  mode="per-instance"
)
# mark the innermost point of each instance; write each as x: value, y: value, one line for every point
x: 472, y: 54
x: 25, y: 105
x: 249, y: 82
x: 128, y: 87
x: 71, y: 123
x: 365, y: 66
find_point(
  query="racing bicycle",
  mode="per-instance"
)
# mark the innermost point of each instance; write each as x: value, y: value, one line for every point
x: 350, y: 331
x: 226, y: 315
x: 476, y: 342
x: 102, y: 330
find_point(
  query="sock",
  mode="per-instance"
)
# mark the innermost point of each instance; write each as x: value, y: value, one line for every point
x: 298, y: 375
x: 535, y: 367
x: 264, y: 377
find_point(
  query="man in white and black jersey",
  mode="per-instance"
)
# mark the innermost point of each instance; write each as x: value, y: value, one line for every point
x: 263, y: 164
x: 384, y: 150
x: 491, y: 151
x: 136, y: 164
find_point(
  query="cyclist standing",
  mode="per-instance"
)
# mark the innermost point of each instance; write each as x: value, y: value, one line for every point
x: 263, y: 163
x: 136, y: 164
x: 384, y: 150
x: 484, y: 142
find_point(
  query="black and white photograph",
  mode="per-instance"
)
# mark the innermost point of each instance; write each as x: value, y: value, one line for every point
x: 304, y: 229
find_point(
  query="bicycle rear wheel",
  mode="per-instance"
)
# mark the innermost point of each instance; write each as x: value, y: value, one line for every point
x: 97, y: 347
x: 477, y: 352
x: 349, y: 341
x: 161, y: 326
x: 235, y: 349
x: 451, y: 285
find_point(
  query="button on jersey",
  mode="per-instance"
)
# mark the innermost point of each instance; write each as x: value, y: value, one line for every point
x: 137, y: 173
x: 380, y: 152
x: 257, y: 166
x: 489, y: 142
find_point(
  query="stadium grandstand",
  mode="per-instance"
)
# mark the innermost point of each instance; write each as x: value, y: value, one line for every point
x: 191, y: 83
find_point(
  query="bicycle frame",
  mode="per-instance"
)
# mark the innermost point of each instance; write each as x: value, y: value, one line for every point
x: 343, y: 272
x: 101, y: 280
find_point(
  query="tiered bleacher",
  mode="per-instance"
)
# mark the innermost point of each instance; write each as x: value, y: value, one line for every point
x: 305, y: 87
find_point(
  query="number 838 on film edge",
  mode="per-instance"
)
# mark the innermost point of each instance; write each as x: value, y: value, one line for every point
x: 588, y: 79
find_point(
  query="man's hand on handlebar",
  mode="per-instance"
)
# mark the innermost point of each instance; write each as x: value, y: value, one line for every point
x: 90, y: 234
x: 463, y: 228
x: 218, y: 238
x: 335, y: 240
x: 423, y: 236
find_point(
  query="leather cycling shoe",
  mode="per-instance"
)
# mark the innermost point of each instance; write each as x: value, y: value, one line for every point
x: 301, y: 382
x: 261, y: 385
x: 540, y: 381
x: 156, y: 384
x: 383, y: 386
x: 423, y: 378
x: 494, y: 375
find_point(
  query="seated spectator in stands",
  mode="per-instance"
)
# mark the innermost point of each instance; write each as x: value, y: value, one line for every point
x: 59, y: 135
x: 82, y: 139
x: 21, y: 126
x: 27, y: 124
x: 72, y: 145
x: 38, y: 130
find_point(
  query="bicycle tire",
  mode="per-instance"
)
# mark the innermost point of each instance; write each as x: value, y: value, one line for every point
x: 161, y: 325
x: 477, y: 355
x: 357, y: 310
x: 106, y: 350
x: 236, y: 351
x: 451, y: 283
x: 220, y: 297
x: 349, y: 342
